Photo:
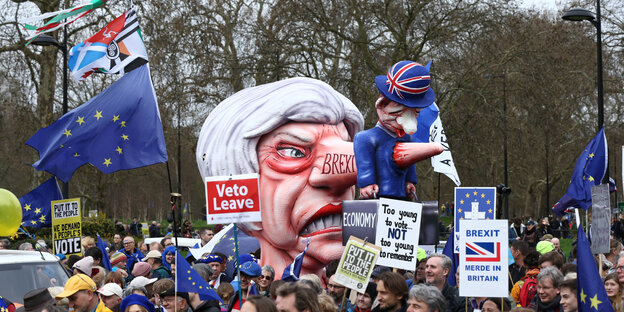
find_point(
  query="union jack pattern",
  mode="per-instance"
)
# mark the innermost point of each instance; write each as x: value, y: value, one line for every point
x: 483, y: 252
x: 410, y: 84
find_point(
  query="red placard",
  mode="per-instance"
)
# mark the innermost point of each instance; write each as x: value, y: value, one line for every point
x: 232, y: 199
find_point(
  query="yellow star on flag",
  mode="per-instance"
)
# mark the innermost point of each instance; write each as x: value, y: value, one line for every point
x: 193, y: 284
x: 190, y: 278
x: 461, y: 201
x: 123, y: 124
x: 462, y: 218
x: 125, y: 137
x: 595, y: 302
x: 591, y: 155
x: 230, y: 258
x: 591, y: 178
x: 80, y: 120
x: 67, y: 133
x: 467, y: 195
x: 33, y: 222
x: 37, y: 210
x: 189, y: 272
x: 583, y: 295
x: 201, y: 287
x: 115, y: 118
x: 27, y: 207
x: 459, y: 210
x: 482, y: 195
x: 475, y: 193
x: 119, y: 150
x: 98, y: 115
x: 488, y: 201
x: 490, y: 210
x: 107, y: 162
x: 76, y: 155
x: 231, y: 238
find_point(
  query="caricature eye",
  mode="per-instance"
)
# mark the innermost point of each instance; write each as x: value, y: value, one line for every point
x: 292, y: 152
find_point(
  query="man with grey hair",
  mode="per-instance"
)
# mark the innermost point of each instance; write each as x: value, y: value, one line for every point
x: 297, y: 135
x: 548, y: 290
x: 436, y: 272
x: 425, y: 298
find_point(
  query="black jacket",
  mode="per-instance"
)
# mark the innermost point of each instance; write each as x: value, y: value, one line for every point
x: 454, y: 303
x: 208, y: 306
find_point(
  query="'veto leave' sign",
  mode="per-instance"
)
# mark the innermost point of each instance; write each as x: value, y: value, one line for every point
x: 232, y: 199
x: 66, y: 226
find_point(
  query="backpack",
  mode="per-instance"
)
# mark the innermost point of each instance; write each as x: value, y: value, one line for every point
x: 528, y: 290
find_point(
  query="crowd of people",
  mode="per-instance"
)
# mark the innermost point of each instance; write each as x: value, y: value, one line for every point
x: 142, y: 278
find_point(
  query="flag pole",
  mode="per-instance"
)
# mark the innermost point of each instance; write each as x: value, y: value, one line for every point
x: 240, y: 291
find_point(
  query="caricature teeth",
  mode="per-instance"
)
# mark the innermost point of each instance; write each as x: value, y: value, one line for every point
x: 322, y: 223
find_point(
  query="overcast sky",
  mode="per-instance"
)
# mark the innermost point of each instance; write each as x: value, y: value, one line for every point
x: 544, y: 4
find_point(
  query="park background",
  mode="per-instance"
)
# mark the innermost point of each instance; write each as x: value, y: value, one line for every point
x: 487, y: 55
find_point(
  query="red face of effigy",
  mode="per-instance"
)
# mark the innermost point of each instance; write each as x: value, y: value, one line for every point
x: 306, y: 171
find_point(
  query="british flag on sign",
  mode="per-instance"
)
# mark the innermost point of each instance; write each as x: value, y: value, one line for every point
x: 398, y: 83
x: 483, y: 252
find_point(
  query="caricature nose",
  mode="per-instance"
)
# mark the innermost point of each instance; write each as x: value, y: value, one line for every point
x: 334, y: 166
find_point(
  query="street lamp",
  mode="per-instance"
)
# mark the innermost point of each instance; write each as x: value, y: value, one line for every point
x: 580, y: 14
x: 46, y: 40
x: 506, y: 176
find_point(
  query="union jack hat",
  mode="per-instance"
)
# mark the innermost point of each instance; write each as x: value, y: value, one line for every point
x: 407, y: 83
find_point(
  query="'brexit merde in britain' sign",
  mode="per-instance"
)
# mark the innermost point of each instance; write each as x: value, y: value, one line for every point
x: 483, y: 259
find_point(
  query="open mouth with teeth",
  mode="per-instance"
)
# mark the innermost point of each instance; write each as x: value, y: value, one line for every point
x: 328, y: 219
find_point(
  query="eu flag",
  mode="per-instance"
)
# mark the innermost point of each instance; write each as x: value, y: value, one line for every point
x: 36, y: 211
x: 188, y: 280
x: 449, y: 251
x: 117, y: 129
x: 292, y: 271
x: 592, y: 295
x: 105, y: 260
x: 590, y: 169
x: 225, y: 245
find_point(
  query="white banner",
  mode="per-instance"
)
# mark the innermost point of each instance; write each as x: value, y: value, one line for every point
x: 483, y: 258
x: 398, y: 230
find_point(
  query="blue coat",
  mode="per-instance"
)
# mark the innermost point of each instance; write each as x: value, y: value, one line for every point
x: 373, y: 157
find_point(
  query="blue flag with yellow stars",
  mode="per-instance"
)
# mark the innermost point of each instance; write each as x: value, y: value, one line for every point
x: 592, y: 295
x: 225, y: 245
x: 117, y: 129
x: 36, y: 211
x: 188, y: 280
x: 590, y: 169
x: 473, y: 203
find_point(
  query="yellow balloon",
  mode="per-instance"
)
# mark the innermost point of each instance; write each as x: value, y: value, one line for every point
x: 10, y: 213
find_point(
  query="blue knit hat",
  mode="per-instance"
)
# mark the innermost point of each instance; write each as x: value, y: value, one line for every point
x: 209, y: 258
x: 137, y: 299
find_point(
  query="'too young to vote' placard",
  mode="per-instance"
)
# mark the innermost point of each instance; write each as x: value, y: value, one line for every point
x: 356, y: 264
x: 483, y: 264
x: 232, y: 199
x: 66, y: 226
x: 398, y: 230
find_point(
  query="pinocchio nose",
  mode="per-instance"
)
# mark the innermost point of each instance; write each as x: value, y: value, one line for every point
x: 335, y: 164
x: 408, y: 153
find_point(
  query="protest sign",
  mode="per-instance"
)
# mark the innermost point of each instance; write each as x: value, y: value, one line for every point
x: 483, y: 264
x: 359, y: 219
x: 232, y: 199
x: 473, y: 203
x: 601, y: 219
x: 356, y: 264
x: 66, y: 226
x: 398, y: 231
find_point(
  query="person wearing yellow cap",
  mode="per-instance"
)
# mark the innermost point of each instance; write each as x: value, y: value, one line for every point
x: 544, y: 247
x: 80, y: 291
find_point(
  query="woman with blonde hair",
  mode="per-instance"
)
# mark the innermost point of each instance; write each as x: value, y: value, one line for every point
x: 614, y: 291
